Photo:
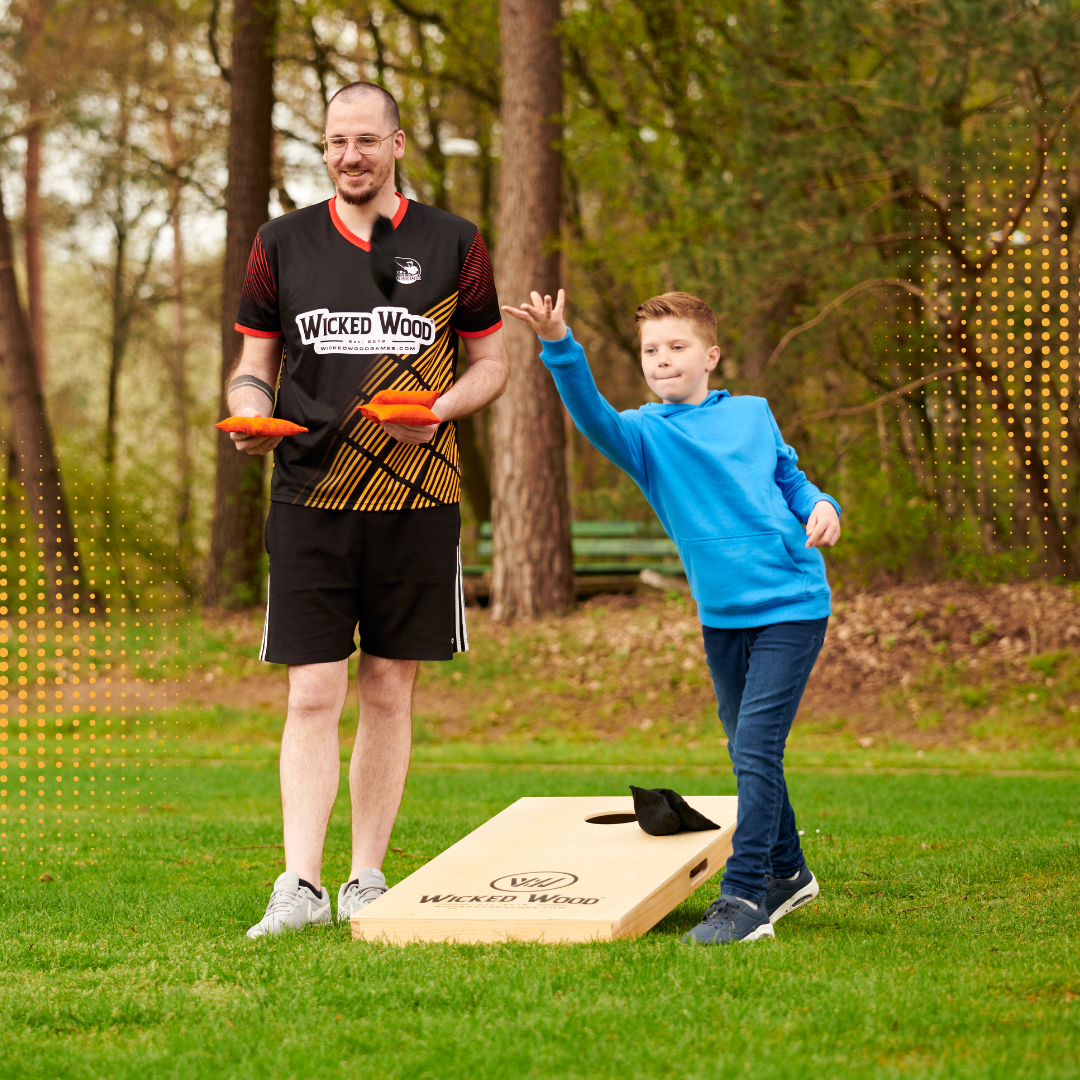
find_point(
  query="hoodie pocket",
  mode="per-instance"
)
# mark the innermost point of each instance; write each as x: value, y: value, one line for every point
x: 742, y: 571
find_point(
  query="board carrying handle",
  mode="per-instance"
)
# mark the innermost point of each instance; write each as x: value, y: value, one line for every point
x: 700, y: 868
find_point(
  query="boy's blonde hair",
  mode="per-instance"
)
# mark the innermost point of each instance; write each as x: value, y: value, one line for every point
x: 679, y: 305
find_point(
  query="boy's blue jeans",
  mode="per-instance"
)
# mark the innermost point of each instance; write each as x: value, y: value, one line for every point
x: 759, y: 676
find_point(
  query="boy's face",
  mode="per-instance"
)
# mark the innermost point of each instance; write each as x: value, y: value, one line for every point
x: 676, y: 362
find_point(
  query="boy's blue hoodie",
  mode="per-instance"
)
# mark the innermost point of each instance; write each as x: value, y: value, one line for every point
x: 726, y: 487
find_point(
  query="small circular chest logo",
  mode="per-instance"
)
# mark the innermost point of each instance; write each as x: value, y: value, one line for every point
x: 408, y: 271
x: 549, y: 880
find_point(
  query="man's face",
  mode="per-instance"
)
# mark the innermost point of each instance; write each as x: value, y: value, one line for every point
x: 360, y: 178
x: 675, y: 360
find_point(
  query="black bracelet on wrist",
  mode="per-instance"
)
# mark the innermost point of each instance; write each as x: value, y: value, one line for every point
x: 251, y: 380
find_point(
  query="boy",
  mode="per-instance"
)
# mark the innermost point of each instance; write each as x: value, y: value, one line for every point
x: 729, y: 493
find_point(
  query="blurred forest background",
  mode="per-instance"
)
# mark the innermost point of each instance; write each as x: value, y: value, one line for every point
x: 868, y: 192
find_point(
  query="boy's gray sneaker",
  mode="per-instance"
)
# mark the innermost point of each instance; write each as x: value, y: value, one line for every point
x: 355, y: 895
x: 783, y: 895
x: 292, y: 907
x: 728, y: 919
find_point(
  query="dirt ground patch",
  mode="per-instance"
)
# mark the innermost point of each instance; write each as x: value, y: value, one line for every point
x: 934, y: 664
x: 919, y: 661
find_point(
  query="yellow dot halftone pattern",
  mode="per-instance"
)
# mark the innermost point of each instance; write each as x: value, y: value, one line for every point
x: 79, y: 740
x: 1007, y: 426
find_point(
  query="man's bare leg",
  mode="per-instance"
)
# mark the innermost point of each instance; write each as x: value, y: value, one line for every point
x: 380, y: 758
x: 311, y: 762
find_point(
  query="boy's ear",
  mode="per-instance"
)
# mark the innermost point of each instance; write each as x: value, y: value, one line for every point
x: 713, y: 358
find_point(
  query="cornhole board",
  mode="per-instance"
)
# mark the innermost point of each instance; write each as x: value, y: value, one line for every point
x: 578, y: 869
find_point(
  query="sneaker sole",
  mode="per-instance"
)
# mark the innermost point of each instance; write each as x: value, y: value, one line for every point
x: 803, y: 897
x: 321, y: 918
x: 759, y: 932
x: 763, y: 931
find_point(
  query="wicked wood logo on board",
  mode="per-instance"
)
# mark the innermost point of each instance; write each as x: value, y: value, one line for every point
x: 515, y: 887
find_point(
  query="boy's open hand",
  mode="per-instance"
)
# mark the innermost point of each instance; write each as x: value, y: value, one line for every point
x: 546, y: 320
x: 823, y: 526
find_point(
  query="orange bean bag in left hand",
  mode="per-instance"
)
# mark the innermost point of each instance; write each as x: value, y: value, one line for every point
x: 260, y: 425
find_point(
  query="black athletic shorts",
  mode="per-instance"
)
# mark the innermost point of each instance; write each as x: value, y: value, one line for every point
x: 394, y: 573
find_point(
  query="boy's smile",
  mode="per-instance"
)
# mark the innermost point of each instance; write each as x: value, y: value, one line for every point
x: 676, y: 362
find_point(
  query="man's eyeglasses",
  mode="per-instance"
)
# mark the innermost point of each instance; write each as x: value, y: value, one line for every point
x: 364, y: 144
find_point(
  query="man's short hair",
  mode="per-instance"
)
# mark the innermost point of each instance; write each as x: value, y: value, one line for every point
x: 679, y: 305
x: 355, y: 91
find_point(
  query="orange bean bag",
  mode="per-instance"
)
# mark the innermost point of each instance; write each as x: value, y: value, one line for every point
x: 260, y: 425
x: 399, y: 414
x: 427, y: 398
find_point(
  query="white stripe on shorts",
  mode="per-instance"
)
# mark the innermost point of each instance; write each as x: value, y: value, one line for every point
x: 461, y: 633
x: 266, y: 622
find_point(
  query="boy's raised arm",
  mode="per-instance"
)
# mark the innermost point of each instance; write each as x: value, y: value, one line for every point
x: 615, y: 438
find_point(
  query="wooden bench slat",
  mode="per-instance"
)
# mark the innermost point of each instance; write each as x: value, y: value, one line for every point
x: 601, y: 528
x: 595, y: 547
x: 604, y: 547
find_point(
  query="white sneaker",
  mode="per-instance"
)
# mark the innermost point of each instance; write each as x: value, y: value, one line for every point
x: 292, y: 906
x: 358, y: 893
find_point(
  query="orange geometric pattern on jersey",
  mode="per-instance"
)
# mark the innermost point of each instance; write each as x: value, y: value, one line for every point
x: 368, y: 470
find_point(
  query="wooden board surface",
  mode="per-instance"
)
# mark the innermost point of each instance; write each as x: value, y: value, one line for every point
x: 541, y: 871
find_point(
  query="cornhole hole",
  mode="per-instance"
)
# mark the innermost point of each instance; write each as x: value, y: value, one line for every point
x: 577, y: 869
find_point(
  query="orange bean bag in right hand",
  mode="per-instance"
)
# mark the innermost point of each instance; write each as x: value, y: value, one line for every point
x: 427, y: 398
x: 399, y: 414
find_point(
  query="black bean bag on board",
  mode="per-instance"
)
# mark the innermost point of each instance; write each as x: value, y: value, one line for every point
x: 661, y: 812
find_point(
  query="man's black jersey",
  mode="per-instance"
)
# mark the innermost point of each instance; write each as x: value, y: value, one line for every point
x: 309, y: 280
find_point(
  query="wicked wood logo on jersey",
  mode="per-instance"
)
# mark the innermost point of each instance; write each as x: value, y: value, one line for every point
x: 391, y: 330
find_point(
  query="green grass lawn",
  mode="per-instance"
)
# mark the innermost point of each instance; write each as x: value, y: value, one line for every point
x: 944, y: 943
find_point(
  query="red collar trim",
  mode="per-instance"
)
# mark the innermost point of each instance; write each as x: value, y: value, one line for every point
x: 403, y: 205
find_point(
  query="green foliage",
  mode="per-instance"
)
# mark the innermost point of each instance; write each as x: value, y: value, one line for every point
x: 765, y: 156
x: 892, y: 533
x: 769, y: 157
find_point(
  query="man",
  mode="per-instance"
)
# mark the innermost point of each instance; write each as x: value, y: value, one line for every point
x: 364, y: 521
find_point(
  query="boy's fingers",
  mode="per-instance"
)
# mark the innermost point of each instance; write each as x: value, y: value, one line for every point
x: 526, y: 311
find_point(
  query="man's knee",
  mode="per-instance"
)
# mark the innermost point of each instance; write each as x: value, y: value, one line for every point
x: 386, y: 683
x: 318, y: 690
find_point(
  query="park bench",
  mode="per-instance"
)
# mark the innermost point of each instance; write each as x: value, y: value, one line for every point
x: 609, y: 556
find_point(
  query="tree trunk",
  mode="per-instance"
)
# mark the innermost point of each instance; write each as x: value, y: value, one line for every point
x: 117, y: 343
x: 178, y: 360
x: 234, y: 574
x: 532, y: 571
x: 33, y: 442
x: 33, y: 15
x: 35, y: 299
x: 475, y: 470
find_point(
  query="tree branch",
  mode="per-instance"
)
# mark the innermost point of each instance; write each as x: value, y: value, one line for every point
x: 945, y: 233
x: 872, y: 283
x: 892, y: 196
x: 896, y: 238
x: 212, y: 29
x: 857, y: 410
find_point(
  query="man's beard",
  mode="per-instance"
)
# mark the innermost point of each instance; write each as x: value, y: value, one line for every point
x: 378, y: 182
x: 362, y: 199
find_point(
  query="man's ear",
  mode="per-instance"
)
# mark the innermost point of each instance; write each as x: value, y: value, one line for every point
x: 713, y: 358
